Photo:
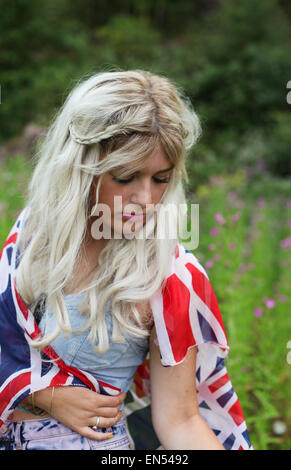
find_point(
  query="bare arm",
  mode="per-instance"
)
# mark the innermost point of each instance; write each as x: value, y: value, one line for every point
x: 175, y: 412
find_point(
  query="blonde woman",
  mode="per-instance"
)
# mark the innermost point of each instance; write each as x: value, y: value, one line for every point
x: 90, y: 269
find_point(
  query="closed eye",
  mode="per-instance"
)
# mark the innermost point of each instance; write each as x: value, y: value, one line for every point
x: 161, y: 180
x: 119, y: 180
x: 157, y: 180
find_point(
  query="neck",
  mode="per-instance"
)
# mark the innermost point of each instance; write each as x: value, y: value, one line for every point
x: 85, y: 270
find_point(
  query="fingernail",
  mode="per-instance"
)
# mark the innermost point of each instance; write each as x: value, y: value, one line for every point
x: 109, y: 437
x: 121, y: 415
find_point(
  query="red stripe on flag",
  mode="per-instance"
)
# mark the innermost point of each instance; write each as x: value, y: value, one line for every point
x: 13, y: 388
x: 11, y: 239
x: 203, y: 289
x: 59, y: 379
x: 104, y: 384
x: 219, y: 383
x: 143, y: 370
x: 142, y: 380
x: 236, y: 413
x: 176, y: 298
x: 69, y: 370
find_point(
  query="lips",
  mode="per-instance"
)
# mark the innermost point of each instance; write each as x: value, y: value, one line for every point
x: 134, y: 217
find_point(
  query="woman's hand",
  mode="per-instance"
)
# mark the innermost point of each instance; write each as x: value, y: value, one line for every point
x: 79, y: 407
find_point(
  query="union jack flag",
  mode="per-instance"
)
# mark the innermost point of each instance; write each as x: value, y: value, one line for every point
x: 186, y: 314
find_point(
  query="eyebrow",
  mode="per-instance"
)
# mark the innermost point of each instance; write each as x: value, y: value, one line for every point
x: 166, y: 169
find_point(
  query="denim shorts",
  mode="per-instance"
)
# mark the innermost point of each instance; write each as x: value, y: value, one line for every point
x: 50, y: 434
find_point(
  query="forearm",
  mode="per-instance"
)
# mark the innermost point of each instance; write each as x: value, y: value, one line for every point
x: 41, y: 399
x: 32, y: 407
x: 191, y: 434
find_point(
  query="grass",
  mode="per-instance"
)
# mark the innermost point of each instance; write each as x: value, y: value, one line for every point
x: 245, y: 248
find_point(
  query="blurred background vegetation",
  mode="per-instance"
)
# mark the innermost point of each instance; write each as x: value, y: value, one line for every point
x: 231, y: 57
x: 233, y: 60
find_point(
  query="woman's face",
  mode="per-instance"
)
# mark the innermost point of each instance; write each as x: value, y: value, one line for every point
x: 120, y: 198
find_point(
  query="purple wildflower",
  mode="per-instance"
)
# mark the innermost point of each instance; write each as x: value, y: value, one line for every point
x: 270, y: 303
x: 214, y: 231
x: 258, y: 312
x: 211, y: 247
x: 285, y: 243
x: 219, y: 218
x: 209, y: 263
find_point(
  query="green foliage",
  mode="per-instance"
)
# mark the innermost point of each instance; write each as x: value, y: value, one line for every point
x: 34, y: 74
x: 128, y: 40
x: 279, y: 144
x: 241, y: 67
x: 231, y: 58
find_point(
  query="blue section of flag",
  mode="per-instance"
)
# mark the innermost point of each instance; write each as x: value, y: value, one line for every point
x: 206, y: 330
x: 228, y: 443
x: 9, y: 254
x: 225, y: 398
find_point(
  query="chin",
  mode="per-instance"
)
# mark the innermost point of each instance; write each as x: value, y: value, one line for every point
x: 125, y: 229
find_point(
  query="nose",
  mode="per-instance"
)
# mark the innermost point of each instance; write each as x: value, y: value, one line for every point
x: 143, y: 193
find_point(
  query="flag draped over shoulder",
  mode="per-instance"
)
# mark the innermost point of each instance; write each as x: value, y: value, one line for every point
x: 186, y: 315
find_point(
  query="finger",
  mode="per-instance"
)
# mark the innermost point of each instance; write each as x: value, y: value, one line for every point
x: 95, y: 435
x: 106, y: 412
x: 105, y: 422
x: 110, y: 401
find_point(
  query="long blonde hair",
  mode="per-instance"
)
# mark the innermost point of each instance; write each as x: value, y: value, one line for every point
x: 123, y: 115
